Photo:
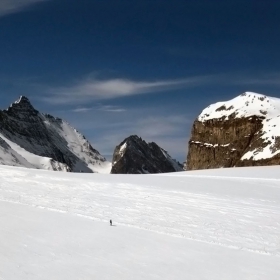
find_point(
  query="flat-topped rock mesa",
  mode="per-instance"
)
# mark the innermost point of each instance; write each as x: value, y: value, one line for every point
x: 244, y: 131
x: 135, y: 156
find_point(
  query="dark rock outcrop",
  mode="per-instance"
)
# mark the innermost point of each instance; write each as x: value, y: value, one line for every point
x: 239, y: 132
x: 135, y: 156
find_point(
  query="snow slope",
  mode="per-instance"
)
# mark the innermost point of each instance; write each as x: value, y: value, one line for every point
x: 213, y: 224
x: 79, y: 146
x: 246, y: 105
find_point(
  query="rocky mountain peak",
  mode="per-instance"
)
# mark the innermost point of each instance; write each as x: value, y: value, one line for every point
x: 131, y: 141
x: 23, y: 100
x: 136, y: 156
x: 37, y: 140
x: 22, y: 106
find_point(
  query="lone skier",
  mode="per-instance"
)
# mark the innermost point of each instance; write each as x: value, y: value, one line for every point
x: 111, y: 222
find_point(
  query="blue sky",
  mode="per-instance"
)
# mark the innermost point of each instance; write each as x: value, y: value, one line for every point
x: 113, y: 68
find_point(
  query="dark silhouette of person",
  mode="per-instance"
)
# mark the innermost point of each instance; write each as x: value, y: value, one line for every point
x: 111, y: 222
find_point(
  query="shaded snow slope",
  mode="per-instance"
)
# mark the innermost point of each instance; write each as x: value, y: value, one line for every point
x: 8, y: 156
x: 18, y: 156
x: 246, y: 105
x: 79, y: 146
x: 214, y: 224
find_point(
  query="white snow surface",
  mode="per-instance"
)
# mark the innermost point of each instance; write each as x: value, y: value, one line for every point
x: 210, y: 224
x: 246, y: 105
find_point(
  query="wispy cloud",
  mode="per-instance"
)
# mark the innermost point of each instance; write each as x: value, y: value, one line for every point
x: 92, y: 89
x: 110, y: 108
x: 12, y: 6
x: 81, y: 110
x: 104, y: 108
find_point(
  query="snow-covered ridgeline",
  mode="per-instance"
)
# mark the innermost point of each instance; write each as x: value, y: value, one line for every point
x: 79, y: 146
x: 245, y: 105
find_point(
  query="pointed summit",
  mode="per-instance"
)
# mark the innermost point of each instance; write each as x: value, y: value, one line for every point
x: 22, y: 99
x: 23, y: 106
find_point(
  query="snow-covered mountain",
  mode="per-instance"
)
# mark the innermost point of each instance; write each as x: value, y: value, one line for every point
x: 134, y: 156
x: 243, y: 131
x: 31, y: 139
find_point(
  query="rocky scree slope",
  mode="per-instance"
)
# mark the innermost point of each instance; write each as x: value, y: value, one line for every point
x: 31, y: 139
x: 135, y: 156
x: 244, y: 131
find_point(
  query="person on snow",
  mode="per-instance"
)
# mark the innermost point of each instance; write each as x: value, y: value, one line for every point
x: 110, y: 222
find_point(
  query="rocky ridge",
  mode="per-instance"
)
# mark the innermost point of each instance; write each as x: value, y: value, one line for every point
x: 243, y: 131
x: 135, y: 156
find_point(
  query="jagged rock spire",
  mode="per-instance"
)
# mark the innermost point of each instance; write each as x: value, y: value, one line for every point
x: 23, y: 106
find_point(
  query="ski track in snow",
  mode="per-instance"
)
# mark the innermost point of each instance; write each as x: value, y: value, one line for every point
x: 191, y: 207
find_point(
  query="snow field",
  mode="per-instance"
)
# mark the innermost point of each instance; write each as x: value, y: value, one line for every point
x: 214, y: 224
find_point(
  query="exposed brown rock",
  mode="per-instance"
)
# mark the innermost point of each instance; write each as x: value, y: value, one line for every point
x: 219, y: 143
x: 222, y: 142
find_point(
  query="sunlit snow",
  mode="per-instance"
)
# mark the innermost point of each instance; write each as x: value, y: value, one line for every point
x: 212, y: 224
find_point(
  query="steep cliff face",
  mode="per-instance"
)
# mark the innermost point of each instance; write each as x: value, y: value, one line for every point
x: 31, y: 139
x: 135, y: 156
x: 241, y: 132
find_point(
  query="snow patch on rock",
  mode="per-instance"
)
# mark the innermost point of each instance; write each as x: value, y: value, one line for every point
x: 122, y: 149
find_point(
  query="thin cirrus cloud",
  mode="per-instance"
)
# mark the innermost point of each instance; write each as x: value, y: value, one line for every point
x: 110, y: 108
x: 13, y: 6
x: 81, y: 110
x: 92, y: 89
x: 104, y: 108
